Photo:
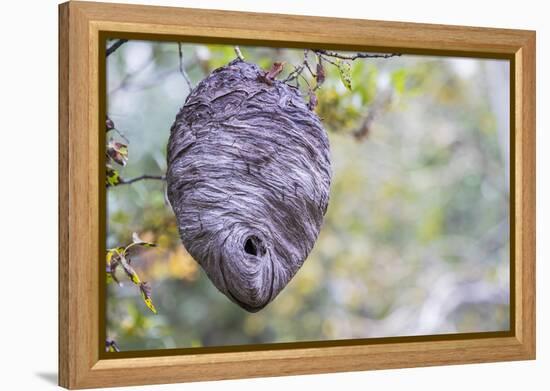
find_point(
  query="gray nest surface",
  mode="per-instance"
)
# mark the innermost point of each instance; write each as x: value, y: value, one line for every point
x: 248, y: 180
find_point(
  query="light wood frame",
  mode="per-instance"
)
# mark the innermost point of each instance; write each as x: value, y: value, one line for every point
x: 81, y: 24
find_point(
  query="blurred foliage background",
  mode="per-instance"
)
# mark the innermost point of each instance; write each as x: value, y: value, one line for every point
x: 416, y: 237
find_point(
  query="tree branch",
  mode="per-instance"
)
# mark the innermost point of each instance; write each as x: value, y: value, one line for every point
x: 140, y: 178
x: 297, y: 72
x: 111, y: 49
x: 182, y: 68
x: 326, y: 55
x: 356, y: 55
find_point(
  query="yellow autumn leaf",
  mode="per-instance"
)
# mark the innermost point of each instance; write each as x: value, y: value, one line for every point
x: 344, y: 68
x: 149, y: 304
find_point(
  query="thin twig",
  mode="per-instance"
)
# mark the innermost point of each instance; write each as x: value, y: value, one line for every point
x: 307, y: 82
x: 309, y: 69
x: 111, y: 49
x: 356, y: 55
x: 306, y: 63
x: 140, y: 178
x: 327, y: 59
x: 238, y: 53
x: 295, y: 73
x: 182, y: 68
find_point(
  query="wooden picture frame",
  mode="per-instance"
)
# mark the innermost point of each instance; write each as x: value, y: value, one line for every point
x: 83, y: 26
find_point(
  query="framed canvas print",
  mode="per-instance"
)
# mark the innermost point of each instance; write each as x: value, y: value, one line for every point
x: 247, y: 195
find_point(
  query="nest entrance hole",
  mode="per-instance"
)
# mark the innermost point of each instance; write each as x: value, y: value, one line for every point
x: 253, y: 245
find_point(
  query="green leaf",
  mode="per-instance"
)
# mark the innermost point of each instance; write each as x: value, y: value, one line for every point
x: 145, y: 290
x: 113, y: 177
x: 344, y: 68
x: 117, y: 152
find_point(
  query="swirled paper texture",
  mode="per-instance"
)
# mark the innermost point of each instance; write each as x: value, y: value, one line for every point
x: 248, y: 179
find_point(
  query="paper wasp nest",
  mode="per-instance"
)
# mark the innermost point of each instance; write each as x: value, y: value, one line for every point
x: 248, y: 179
